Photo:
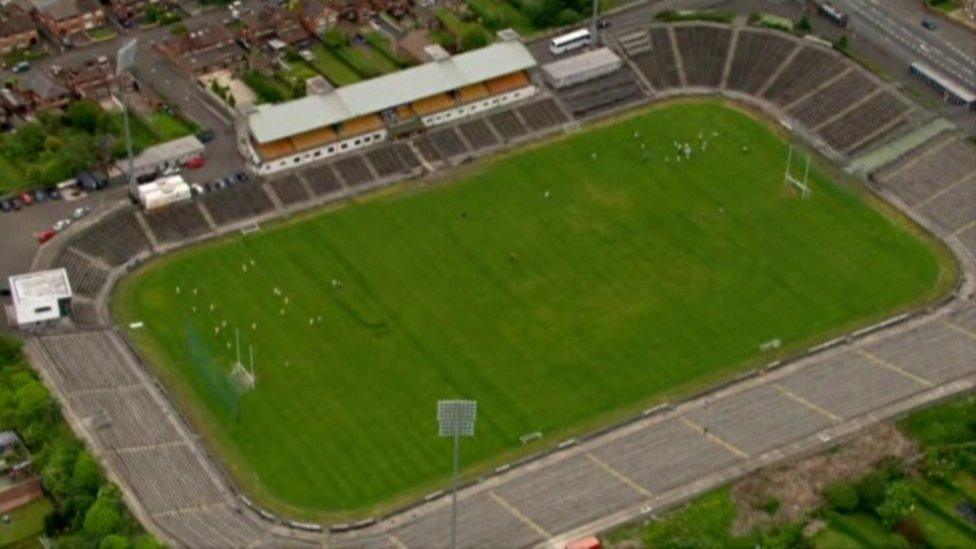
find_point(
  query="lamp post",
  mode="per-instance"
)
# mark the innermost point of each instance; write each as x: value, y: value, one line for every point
x: 125, y: 60
x: 456, y: 418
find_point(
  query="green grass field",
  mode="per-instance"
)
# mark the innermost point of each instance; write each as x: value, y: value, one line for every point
x: 563, y: 287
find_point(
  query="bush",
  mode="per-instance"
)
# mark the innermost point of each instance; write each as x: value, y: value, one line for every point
x: 474, y: 38
x: 770, y: 505
x: 899, y: 501
x: 334, y: 38
x: 803, y: 24
x: 842, y: 43
x: 841, y: 496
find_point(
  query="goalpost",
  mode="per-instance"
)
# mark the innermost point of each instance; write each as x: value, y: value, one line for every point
x: 241, y: 377
x: 801, y: 184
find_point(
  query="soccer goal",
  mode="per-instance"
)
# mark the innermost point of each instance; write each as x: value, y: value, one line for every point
x: 241, y: 377
x: 792, y: 180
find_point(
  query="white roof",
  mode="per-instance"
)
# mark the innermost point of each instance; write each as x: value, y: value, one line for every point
x: 40, y: 285
x: 583, y: 62
x: 272, y: 122
x: 953, y: 87
x: 164, y: 152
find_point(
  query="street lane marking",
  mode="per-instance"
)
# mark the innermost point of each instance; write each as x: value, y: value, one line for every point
x: 619, y: 476
x: 518, y: 514
x: 884, y: 364
x: 723, y: 443
x: 797, y: 398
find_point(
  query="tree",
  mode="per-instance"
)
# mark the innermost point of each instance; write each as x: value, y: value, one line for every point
x: 473, y: 38
x: 114, y: 541
x: 842, y: 43
x: 334, y: 38
x: 841, y: 496
x: 86, y: 477
x: 899, y: 502
x: 84, y: 115
x: 103, y: 517
x: 803, y: 24
x: 567, y: 16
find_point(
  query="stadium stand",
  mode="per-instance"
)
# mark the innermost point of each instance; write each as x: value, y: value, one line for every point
x: 810, y: 68
x: 601, y: 94
x: 542, y: 114
x: 967, y: 237
x: 954, y: 207
x: 125, y: 417
x: 177, y: 222
x: 166, y: 478
x: 658, y: 64
x: 832, y: 100
x: 478, y: 134
x: 757, y: 55
x: 237, y: 203
x: 392, y: 159
x: 86, y: 362
x: 507, y: 124
x: 86, y: 279
x: 426, y: 148
x: 83, y: 312
x: 116, y: 239
x: 869, y: 123
x: 213, y: 527
x: 289, y: 190
x: 354, y: 171
x: 447, y: 143
x: 322, y: 179
x: 928, y: 169
x: 703, y: 50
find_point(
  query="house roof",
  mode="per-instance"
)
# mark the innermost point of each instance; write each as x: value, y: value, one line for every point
x: 38, y: 285
x: 15, y: 21
x: 43, y: 85
x: 272, y: 122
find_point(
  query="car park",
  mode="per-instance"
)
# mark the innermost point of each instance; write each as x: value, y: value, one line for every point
x: 26, y: 198
x: 242, y: 176
x: 45, y: 235
x: 53, y: 193
x: 87, y: 181
x: 17, y: 203
x: 80, y: 211
x: 229, y: 181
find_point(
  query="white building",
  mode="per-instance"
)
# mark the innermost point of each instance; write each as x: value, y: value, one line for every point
x: 581, y: 68
x: 163, y: 192
x: 287, y: 135
x: 40, y: 296
x: 158, y: 158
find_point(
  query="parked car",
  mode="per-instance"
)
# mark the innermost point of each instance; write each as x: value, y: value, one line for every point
x: 930, y: 25
x: 6, y: 205
x: 197, y: 189
x: 242, y: 176
x: 53, y: 193
x: 17, y: 203
x: 45, y: 235
x: 80, y: 211
x: 26, y: 198
x: 40, y: 196
x: 205, y: 136
x: 87, y: 181
x: 21, y: 67
x: 195, y: 163
x: 229, y: 181
x: 146, y: 177
x: 61, y: 225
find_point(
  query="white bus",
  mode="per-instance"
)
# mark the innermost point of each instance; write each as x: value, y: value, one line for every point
x: 570, y: 41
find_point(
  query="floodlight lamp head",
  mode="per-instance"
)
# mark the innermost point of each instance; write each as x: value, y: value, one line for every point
x: 456, y: 417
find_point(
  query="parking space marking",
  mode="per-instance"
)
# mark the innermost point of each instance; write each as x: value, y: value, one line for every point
x: 619, y: 476
x: 519, y: 515
x: 802, y: 401
x: 887, y: 365
x: 711, y: 436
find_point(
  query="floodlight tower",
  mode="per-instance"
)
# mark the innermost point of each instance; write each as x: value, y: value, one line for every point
x: 455, y: 418
x: 595, y: 31
x: 125, y: 60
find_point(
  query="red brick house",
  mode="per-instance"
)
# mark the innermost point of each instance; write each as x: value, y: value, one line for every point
x: 317, y: 16
x: 129, y: 9
x: 93, y: 79
x: 63, y: 18
x: 271, y: 22
x: 17, y: 30
x: 204, y: 50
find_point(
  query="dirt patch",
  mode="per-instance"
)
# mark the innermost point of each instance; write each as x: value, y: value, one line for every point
x: 788, y: 492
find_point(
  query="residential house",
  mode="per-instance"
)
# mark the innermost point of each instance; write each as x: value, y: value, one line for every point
x: 126, y: 10
x: 64, y: 18
x: 204, y: 50
x: 94, y: 79
x: 272, y: 22
x: 39, y: 91
x: 17, y: 30
x: 317, y: 16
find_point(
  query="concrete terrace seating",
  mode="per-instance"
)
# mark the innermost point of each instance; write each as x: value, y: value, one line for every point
x: 447, y: 143
x: 478, y: 134
x: 600, y: 94
x: 167, y: 478
x: 967, y: 237
x: 542, y: 114
x: 704, y: 50
x: 392, y: 159
x: 658, y: 64
x: 322, y: 179
x: 116, y: 239
x: 177, y: 222
x: 125, y: 418
x: 867, y: 124
x: 86, y: 279
x: 83, y: 312
x: 757, y: 56
x: 810, y: 68
x: 955, y: 207
x: 218, y: 526
x: 353, y: 170
x: 237, y: 203
x: 289, y: 189
x: 833, y: 99
x: 507, y: 124
x: 929, y: 169
x: 86, y: 361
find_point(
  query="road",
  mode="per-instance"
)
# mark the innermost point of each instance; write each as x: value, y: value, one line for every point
x: 897, y: 25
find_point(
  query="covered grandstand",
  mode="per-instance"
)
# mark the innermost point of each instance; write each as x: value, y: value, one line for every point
x: 287, y: 135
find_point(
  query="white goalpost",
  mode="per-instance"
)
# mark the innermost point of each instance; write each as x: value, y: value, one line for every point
x: 801, y: 184
x: 242, y: 377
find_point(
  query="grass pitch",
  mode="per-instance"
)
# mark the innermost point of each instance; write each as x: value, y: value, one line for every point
x: 561, y: 287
